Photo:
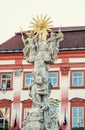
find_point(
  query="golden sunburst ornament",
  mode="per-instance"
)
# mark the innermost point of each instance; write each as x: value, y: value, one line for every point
x: 41, y: 25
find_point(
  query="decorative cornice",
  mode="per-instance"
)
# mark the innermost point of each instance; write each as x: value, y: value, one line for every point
x: 5, y: 102
x: 27, y: 103
x: 77, y: 100
x: 64, y: 70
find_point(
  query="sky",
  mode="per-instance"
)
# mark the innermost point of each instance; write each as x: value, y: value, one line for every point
x: 19, y: 13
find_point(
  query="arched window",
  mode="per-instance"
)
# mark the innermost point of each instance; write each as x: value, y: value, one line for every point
x: 26, y: 105
x: 77, y: 114
x: 5, y: 113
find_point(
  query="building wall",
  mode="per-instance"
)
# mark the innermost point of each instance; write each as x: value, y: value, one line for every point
x: 18, y: 97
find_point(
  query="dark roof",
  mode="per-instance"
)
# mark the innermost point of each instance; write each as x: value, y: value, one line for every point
x: 13, y: 44
x: 74, y: 38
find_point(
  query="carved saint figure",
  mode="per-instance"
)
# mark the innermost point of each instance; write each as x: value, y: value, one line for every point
x: 53, y: 44
x: 29, y: 47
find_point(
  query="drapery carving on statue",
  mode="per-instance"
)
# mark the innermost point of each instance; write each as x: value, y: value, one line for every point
x: 36, y: 47
x: 53, y: 44
x: 42, y: 51
x: 29, y: 47
x: 39, y: 91
x: 54, y: 120
x: 33, y: 90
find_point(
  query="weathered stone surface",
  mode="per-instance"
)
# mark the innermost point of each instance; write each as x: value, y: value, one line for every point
x: 41, y: 53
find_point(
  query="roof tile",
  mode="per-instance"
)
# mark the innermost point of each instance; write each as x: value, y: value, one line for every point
x: 74, y: 37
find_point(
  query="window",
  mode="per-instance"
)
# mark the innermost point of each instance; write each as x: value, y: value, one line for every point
x: 26, y: 112
x: 5, y: 113
x: 77, y: 117
x: 77, y: 121
x: 28, y: 79
x: 53, y: 79
x: 77, y: 79
x: 26, y: 106
x: 6, y: 80
x: 4, y: 117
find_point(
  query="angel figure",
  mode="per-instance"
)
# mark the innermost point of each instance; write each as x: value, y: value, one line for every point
x: 29, y: 47
x: 53, y: 44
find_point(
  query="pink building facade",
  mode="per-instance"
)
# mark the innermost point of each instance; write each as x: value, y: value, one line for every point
x: 67, y: 76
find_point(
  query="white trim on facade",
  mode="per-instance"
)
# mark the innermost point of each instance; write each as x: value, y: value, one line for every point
x: 80, y: 93
x: 6, y: 62
x: 77, y: 68
x: 58, y: 61
x: 76, y: 60
x: 8, y: 95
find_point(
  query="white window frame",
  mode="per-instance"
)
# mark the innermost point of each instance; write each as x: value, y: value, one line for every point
x: 4, y: 81
x: 77, y: 79
x: 53, y: 78
x: 4, y: 118
x: 30, y: 79
x: 77, y: 117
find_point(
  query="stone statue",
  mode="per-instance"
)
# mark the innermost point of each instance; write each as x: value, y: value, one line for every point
x: 29, y: 47
x: 53, y: 44
x: 41, y: 52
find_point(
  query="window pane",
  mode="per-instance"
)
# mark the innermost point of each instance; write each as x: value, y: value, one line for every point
x: 53, y: 79
x: 80, y: 113
x: 4, y: 76
x: 74, y: 82
x: 27, y: 82
x: 77, y: 116
x: 50, y: 80
x: 54, y: 74
x: 6, y: 80
x: 77, y: 79
x: 8, y: 85
x: 79, y: 73
x: 80, y: 81
x: 54, y: 82
x: 50, y: 74
x: 8, y: 76
x: 4, y: 117
x: 28, y: 79
x: 74, y: 122
x: 74, y: 112
x: 28, y: 75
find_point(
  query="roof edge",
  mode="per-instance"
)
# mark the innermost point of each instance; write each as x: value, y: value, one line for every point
x: 10, y: 51
x: 74, y: 48
x: 61, y: 49
x: 63, y: 29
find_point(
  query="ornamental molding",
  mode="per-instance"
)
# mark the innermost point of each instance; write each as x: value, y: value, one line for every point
x: 5, y: 102
x: 77, y: 100
x: 27, y: 103
x: 64, y: 71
